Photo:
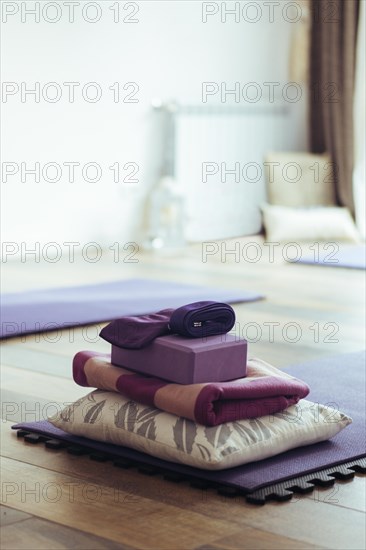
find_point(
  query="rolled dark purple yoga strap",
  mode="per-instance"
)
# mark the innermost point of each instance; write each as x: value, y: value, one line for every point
x: 202, y: 319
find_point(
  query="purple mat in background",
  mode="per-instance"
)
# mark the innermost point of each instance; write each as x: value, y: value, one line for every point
x: 338, y: 380
x: 57, y: 308
x: 353, y: 257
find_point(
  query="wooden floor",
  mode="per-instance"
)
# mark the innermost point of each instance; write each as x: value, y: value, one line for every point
x: 53, y: 500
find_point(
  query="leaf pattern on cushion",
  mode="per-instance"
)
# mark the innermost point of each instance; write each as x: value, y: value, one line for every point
x: 147, y: 419
x: 218, y: 435
x: 126, y: 416
x: 205, y: 453
x: 184, y: 434
x: 291, y: 418
x: 91, y: 396
x: 245, y: 433
x: 67, y: 414
x: 147, y: 414
x: 228, y: 451
x: 260, y: 429
x: 93, y: 412
x: 78, y: 402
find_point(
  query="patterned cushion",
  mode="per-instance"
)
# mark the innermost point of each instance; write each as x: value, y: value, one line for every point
x: 108, y: 416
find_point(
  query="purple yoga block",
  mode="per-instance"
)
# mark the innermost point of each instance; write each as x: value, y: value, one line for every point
x: 187, y: 360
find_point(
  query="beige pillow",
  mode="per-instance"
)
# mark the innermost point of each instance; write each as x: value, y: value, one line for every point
x: 284, y: 224
x: 299, y: 179
x: 110, y: 417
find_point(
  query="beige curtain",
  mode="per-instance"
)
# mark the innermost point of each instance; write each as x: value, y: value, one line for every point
x: 300, y: 46
x: 359, y: 120
x: 332, y: 76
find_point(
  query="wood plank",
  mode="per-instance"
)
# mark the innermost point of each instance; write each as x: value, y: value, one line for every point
x: 313, y: 522
x: 9, y: 516
x: 36, y: 385
x: 252, y: 539
x: 95, y: 509
x: 64, y: 342
x: 28, y: 396
x: 150, y: 527
x: 18, y: 356
x: 39, y: 534
x: 20, y: 407
x: 349, y: 494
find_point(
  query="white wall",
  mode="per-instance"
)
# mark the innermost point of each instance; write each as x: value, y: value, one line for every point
x: 168, y: 53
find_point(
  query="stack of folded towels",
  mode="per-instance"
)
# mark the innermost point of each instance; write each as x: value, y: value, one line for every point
x: 179, y: 387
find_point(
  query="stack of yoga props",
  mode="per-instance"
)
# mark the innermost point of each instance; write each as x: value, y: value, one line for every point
x: 232, y: 411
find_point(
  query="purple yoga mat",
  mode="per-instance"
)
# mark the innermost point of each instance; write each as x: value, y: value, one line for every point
x: 57, y: 308
x: 337, y: 380
x: 353, y: 257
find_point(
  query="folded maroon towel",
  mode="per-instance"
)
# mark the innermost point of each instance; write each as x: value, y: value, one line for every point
x: 265, y: 390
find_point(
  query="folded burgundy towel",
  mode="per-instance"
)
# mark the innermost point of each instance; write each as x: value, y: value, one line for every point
x: 265, y: 390
x: 196, y: 320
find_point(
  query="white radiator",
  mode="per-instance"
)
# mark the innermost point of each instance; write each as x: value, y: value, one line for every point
x: 216, y: 154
